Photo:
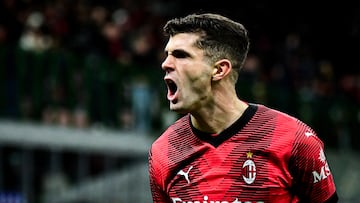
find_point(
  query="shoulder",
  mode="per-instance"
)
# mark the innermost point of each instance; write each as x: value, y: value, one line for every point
x: 302, y: 138
x: 278, y: 120
x: 269, y: 113
x: 166, y: 147
x: 176, y: 131
x: 286, y: 127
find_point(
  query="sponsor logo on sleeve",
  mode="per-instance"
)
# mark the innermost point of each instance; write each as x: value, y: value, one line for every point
x: 324, y: 171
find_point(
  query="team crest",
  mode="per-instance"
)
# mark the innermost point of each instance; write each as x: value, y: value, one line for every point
x: 249, y: 169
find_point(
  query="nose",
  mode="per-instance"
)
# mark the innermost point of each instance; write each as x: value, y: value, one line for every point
x: 167, y: 63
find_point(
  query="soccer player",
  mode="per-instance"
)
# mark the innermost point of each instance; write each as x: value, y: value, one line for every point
x: 224, y: 149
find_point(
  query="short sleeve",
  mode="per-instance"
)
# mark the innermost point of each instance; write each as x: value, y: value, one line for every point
x: 157, y: 192
x: 312, y: 177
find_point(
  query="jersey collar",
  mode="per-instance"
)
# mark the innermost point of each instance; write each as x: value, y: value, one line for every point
x: 228, y: 132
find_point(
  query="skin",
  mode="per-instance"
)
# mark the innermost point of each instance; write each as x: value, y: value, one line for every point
x: 204, y: 89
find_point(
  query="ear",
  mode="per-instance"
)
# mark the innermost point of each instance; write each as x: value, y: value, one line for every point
x: 221, y: 69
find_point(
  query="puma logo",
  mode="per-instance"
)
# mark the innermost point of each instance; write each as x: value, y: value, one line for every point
x: 186, y: 175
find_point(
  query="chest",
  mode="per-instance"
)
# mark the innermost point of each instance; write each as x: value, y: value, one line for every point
x: 228, y: 174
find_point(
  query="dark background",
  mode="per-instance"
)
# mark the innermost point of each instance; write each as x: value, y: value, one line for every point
x: 100, y: 72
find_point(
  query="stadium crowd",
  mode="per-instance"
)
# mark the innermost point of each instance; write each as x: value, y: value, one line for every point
x: 97, y: 63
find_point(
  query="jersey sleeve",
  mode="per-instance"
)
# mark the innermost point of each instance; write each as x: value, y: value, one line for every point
x: 312, y: 178
x: 158, y: 194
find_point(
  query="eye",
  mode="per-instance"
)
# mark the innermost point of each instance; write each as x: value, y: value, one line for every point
x: 180, y: 54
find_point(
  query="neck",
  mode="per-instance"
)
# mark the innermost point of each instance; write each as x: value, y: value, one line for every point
x: 219, y: 116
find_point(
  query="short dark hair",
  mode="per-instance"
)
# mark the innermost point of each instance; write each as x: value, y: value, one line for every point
x: 220, y: 37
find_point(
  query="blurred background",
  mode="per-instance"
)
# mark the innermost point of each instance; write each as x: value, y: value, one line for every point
x: 82, y: 95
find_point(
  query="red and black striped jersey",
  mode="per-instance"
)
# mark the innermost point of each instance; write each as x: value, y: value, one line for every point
x: 265, y: 156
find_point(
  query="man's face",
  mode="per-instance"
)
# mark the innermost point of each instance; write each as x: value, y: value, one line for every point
x: 187, y: 74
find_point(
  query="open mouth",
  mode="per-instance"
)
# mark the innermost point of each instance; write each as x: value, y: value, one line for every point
x: 172, y: 90
x: 172, y: 87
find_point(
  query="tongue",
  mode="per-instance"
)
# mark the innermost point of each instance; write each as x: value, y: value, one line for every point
x: 172, y: 96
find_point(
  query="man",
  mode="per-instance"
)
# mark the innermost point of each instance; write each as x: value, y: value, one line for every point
x: 223, y: 149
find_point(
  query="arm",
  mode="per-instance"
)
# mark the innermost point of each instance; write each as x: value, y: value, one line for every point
x: 312, y: 178
x: 158, y: 195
